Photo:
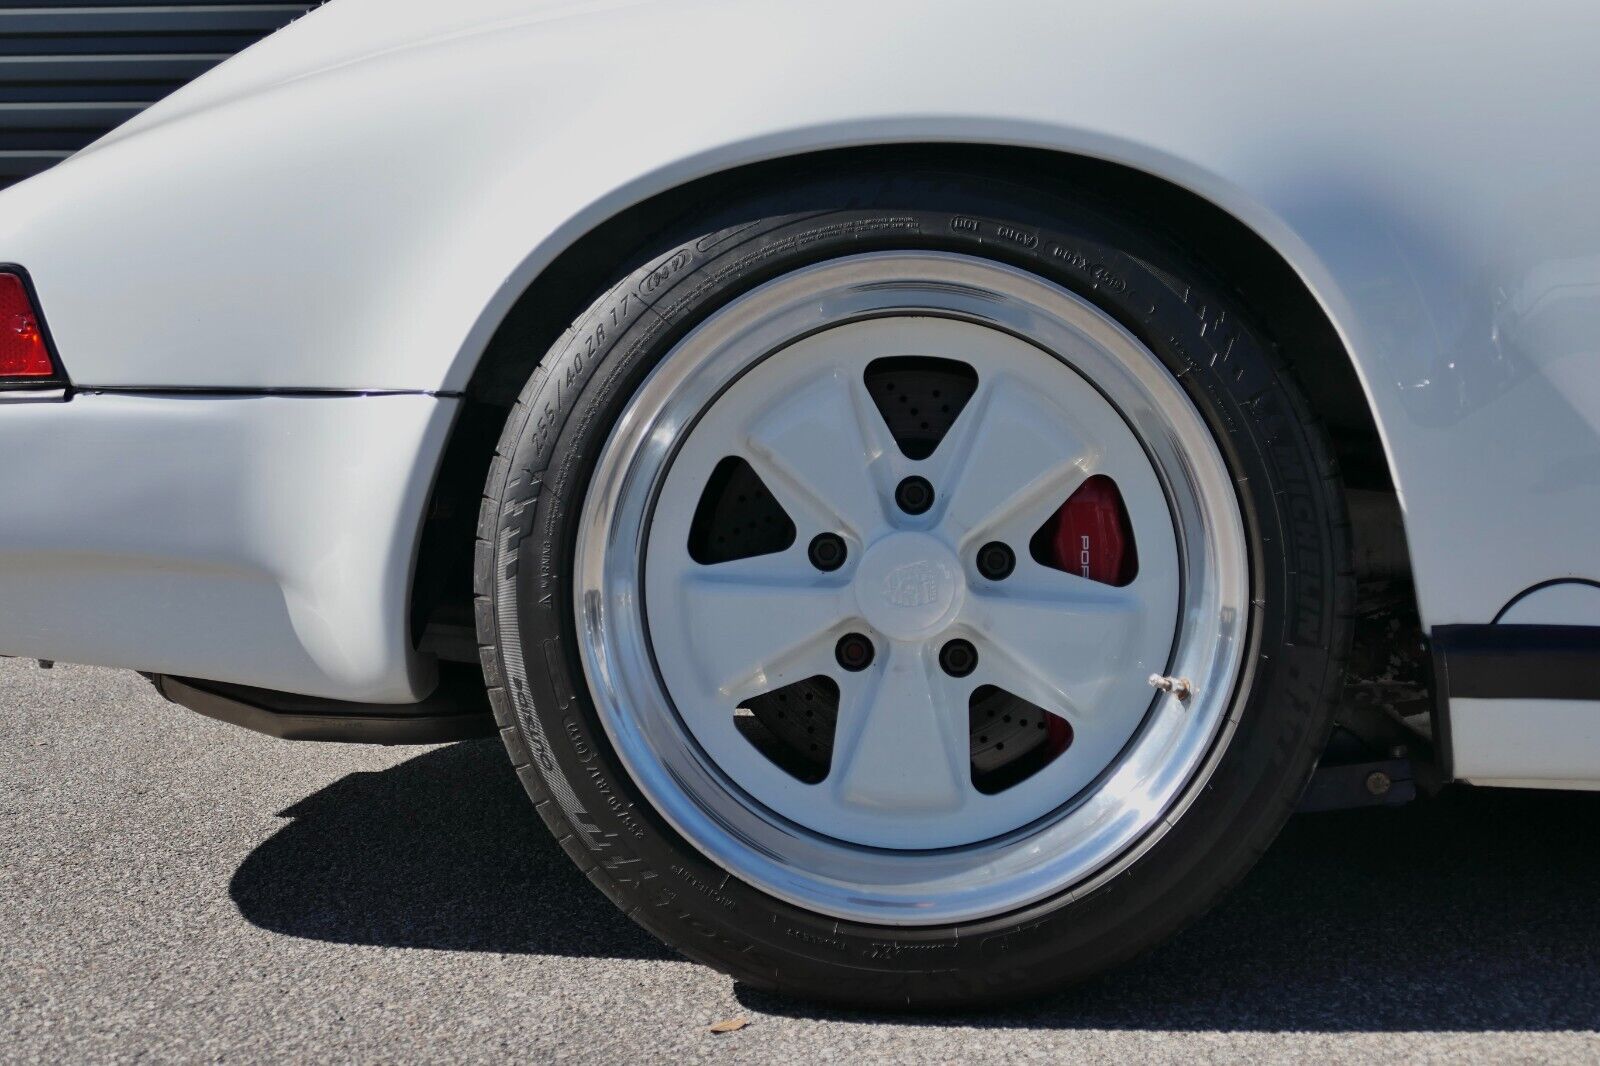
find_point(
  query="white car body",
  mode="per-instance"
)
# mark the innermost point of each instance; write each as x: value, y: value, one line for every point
x: 271, y: 290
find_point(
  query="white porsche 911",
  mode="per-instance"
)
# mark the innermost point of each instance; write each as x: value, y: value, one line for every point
x: 915, y: 485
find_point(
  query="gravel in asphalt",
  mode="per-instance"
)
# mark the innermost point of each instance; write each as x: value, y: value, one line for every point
x: 173, y: 888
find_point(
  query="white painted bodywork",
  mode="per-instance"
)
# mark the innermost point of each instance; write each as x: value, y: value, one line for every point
x: 1526, y: 743
x: 354, y: 204
x: 252, y: 539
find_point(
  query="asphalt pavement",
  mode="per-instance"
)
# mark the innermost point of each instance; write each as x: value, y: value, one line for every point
x: 173, y: 888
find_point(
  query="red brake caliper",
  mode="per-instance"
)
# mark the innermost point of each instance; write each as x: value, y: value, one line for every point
x: 1092, y: 535
x: 1092, y: 538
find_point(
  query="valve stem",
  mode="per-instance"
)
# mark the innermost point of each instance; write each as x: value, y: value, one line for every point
x: 1180, y: 687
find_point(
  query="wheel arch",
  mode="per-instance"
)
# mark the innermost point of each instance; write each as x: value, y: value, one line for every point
x: 517, y: 332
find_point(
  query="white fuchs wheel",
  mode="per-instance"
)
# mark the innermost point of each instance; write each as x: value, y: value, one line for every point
x: 913, y: 588
x: 899, y: 653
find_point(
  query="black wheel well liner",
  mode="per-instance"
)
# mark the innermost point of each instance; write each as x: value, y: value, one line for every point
x: 1259, y: 276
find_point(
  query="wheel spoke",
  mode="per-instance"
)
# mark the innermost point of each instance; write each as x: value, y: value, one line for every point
x: 902, y: 743
x: 759, y: 625
x: 1010, y: 460
x: 816, y: 450
x: 1061, y: 641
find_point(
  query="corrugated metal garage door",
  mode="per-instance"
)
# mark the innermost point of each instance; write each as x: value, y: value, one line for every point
x: 73, y: 69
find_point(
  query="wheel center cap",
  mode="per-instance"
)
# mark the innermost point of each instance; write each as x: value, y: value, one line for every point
x: 909, y: 585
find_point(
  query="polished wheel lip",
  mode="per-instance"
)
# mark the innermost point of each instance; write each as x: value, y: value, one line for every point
x: 1075, y: 847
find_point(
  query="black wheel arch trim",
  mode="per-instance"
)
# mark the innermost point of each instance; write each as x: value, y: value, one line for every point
x: 1506, y: 662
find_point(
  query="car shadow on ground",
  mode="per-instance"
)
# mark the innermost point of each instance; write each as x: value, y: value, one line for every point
x: 1474, y: 911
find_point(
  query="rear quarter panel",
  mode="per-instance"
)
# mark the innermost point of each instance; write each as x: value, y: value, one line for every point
x: 354, y: 204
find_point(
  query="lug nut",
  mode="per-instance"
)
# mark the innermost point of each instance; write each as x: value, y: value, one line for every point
x: 996, y: 561
x: 958, y: 658
x: 827, y: 551
x: 914, y: 495
x: 854, y: 652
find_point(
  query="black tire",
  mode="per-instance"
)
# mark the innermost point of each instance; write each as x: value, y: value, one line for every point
x: 1301, y: 586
